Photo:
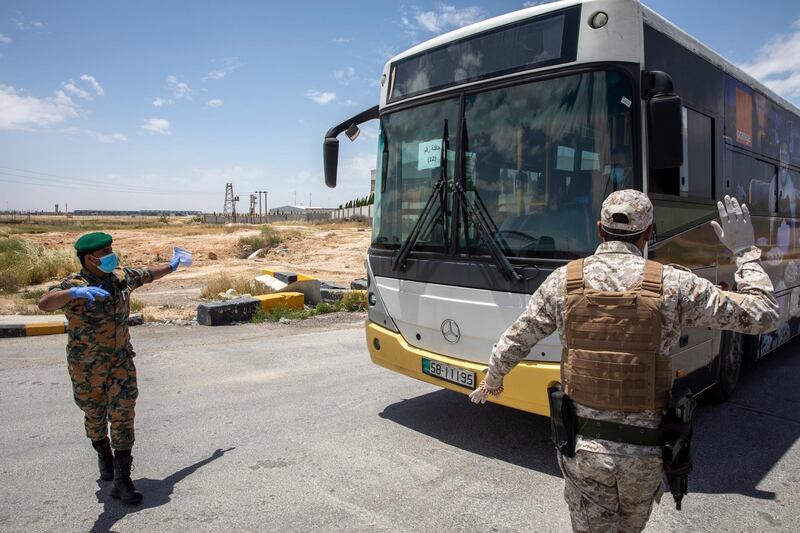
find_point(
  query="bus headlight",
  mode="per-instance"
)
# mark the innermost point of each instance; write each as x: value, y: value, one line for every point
x: 598, y: 20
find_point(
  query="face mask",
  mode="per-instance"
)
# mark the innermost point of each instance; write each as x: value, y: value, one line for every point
x: 108, y: 263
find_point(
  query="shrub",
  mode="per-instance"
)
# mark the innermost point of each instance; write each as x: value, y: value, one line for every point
x: 353, y: 301
x: 223, y: 282
x: 267, y: 238
x: 26, y: 263
x: 136, y: 306
x: 276, y: 313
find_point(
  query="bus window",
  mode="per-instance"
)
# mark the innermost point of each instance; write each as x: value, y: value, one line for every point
x: 789, y: 187
x: 697, y: 172
x: 754, y: 182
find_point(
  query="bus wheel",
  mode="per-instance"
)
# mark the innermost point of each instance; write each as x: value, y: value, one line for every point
x: 730, y: 366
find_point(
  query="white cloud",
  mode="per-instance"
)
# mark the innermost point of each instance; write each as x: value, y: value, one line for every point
x: 4, y: 39
x: 74, y: 90
x: 100, y: 137
x: 179, y: 89
x: 321, y: 97
x: 349, y: 103
x: 445, y: 17
x: 341, y: 40
x: 98, y: 89
x: 346, y: 75
x: 21, y: 112
x: 777, y: 63
x: 228, y: 66
x: 157, y: 125
x: 23, y: 24
x: 536, y: 3
x: 215, y: 102
x: 161, y: 102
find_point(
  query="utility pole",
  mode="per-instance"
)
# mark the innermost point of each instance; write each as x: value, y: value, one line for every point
x: 229, y: 209
x: 295, y: 197
x: 309, y: 199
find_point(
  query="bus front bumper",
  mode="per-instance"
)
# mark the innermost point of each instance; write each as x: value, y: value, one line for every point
x: 525, y: 387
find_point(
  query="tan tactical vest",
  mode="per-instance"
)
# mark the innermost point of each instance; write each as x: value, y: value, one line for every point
x: 611, y: 358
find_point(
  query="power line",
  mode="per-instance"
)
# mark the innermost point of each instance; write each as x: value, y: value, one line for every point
x: 82, y: 183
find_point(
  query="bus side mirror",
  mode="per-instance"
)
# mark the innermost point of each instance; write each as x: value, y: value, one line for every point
x: 330, y: 146
x: 330, y: 158
x: 664, y: 122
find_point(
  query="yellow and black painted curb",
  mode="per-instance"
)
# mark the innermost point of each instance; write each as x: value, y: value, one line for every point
x: 32, y: 329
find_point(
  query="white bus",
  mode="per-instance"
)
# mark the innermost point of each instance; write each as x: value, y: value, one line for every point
x: 498, y: 143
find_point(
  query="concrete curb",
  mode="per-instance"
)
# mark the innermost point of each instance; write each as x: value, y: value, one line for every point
x: 54, y: 327
x: 243, y: 309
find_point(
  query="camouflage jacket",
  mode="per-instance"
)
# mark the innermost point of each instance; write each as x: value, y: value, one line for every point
x: 102, y: 328
x: 688, y: 300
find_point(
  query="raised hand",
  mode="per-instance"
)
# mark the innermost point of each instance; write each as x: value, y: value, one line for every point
x: 735, y: 229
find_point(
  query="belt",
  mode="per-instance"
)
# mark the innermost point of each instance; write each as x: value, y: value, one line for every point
x: 602, y: 429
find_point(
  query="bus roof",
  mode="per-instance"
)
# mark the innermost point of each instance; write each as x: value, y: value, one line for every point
x: 649, y: 16
x: 678, y: 35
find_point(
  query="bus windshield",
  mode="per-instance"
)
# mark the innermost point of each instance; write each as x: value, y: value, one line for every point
x: 539, y: 159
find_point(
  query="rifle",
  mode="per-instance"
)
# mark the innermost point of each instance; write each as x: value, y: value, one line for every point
x: 677, y: 448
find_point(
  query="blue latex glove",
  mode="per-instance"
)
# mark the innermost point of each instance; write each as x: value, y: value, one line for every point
x: 180, y: 256
x: 90, y: 293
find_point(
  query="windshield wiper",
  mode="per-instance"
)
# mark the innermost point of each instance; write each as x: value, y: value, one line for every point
x: 478, y: 215
x: 439, y: 193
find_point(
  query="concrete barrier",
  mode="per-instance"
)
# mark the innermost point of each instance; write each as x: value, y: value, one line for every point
x: 32, y: 326
x: 243, y: 309
x: 292, y: 282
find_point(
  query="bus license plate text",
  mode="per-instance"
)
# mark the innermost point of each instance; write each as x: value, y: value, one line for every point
x: 448, y: 373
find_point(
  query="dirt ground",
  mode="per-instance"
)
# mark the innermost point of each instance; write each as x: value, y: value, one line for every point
x: 334, y: 253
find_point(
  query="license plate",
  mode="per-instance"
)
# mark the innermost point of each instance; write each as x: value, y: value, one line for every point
x: 450, y: 373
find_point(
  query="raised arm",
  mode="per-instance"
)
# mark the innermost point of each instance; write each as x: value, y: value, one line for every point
x: 536, y: 322
x: 752, y: 308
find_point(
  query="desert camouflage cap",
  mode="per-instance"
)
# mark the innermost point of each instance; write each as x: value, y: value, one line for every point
x: 626, y: 212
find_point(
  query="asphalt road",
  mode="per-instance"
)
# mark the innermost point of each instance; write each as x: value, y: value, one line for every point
x: 291, y: 428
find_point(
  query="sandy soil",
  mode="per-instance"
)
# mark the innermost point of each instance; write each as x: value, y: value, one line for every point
x: 332, y: 253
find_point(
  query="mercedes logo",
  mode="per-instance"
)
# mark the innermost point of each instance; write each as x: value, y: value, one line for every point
x: 450, y: 331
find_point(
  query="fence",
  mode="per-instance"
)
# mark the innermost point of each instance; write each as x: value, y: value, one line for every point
x: 364, y: 211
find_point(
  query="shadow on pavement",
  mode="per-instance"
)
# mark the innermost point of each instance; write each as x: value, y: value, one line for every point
x: 736, y: 443
x: 489, y: 430
x: 156, y: 492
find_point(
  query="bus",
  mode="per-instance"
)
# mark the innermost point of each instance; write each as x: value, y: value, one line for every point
x: 498, y: 143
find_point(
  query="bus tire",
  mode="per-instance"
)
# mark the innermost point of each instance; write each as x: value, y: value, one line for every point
x: 731, y: 356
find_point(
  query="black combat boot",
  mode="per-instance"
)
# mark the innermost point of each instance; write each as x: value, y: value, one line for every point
x: 105, y: 459
x: 124, y: 488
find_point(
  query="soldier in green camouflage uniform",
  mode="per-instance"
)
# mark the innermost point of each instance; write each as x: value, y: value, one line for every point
x: 610, y: 486
x: 96, y: 302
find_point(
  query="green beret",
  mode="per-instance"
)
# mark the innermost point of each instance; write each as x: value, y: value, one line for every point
x: 92, y: 241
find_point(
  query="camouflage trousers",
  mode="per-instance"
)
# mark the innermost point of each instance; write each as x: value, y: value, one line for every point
x: 104, y: 387
x: 609, y: 493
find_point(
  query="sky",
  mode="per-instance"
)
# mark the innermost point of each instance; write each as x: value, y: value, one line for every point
x: 157, y: 105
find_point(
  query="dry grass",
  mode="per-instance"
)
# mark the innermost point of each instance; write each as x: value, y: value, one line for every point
x: 24, y: 263
x: 267, y: 238
x: 223, y: 282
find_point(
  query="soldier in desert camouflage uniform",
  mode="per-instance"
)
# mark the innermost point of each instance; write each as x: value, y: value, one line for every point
x: 610, y: 486
x: 96, y: 301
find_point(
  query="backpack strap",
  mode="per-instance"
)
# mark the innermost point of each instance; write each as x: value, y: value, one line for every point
x: 575, y: 277
x: 651, y: 282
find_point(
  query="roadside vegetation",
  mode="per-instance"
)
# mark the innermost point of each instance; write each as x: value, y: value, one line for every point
x: 223, y: 282
x: 24, y: 263
x: 266, y: 239
x: 352, y: 301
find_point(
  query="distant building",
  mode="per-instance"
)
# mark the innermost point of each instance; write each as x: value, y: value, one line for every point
x: 372, y: 181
